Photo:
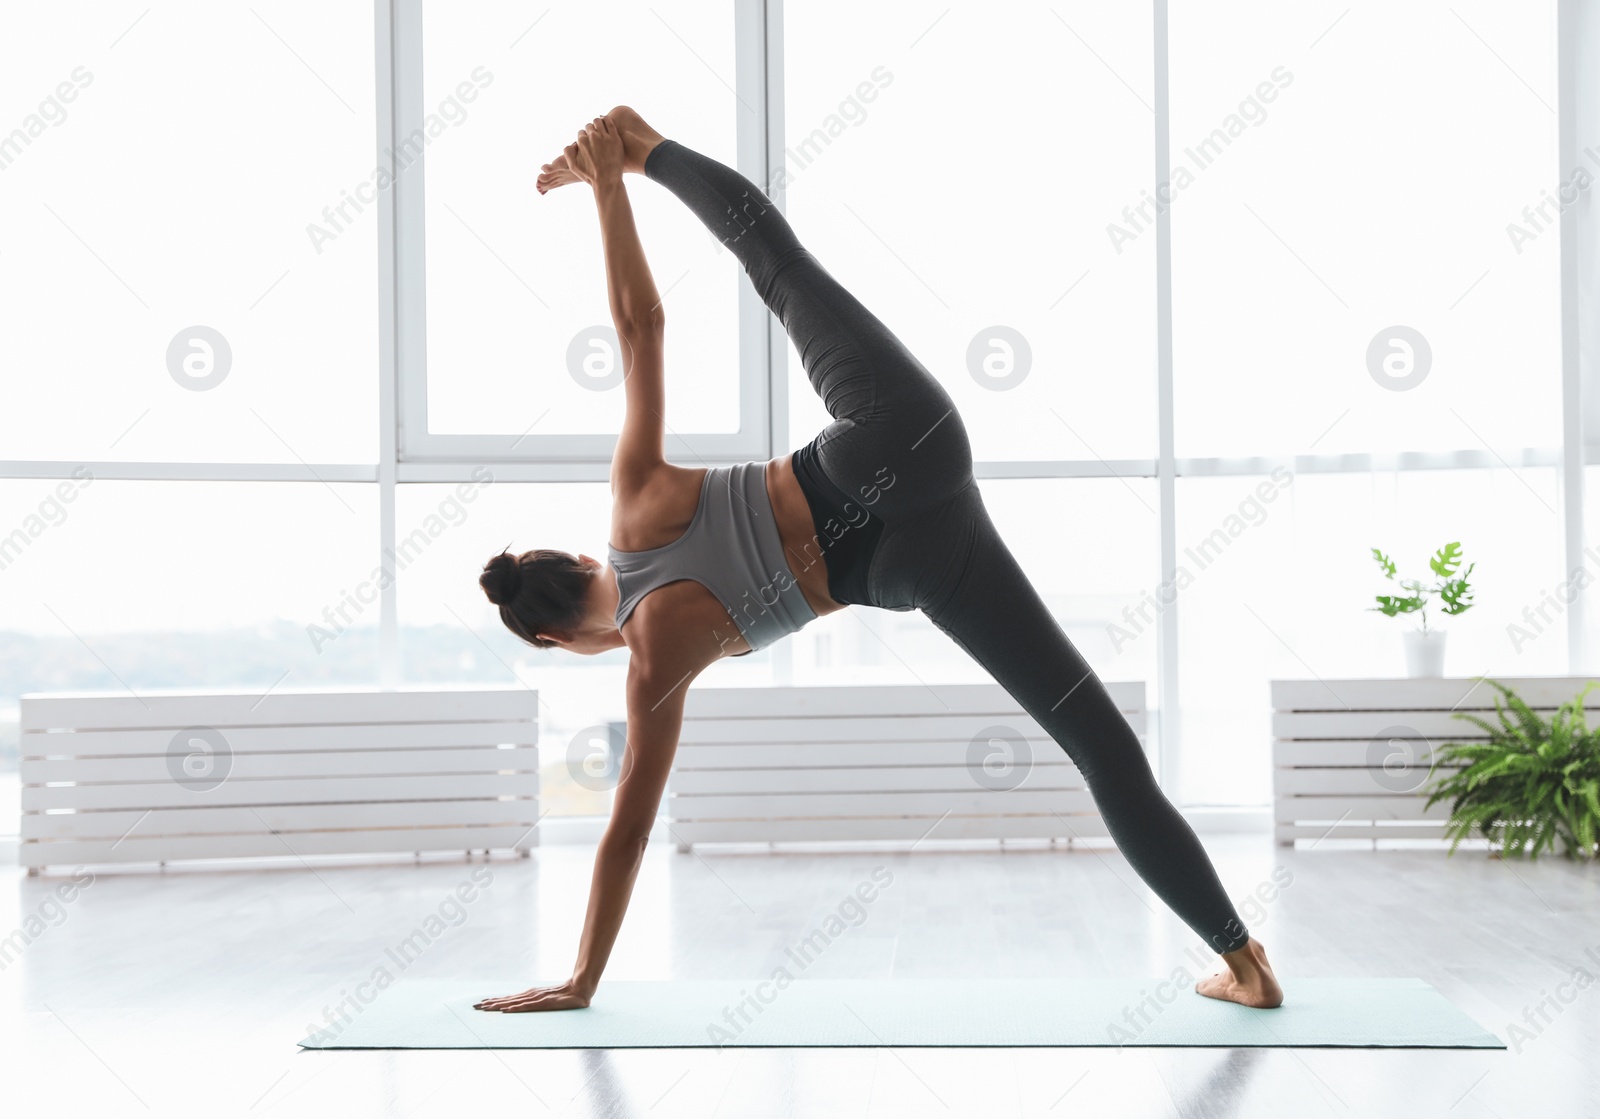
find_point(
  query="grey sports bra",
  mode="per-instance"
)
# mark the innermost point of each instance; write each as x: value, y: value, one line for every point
x: 732, y: 548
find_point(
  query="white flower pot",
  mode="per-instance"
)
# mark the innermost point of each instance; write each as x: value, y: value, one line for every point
x: 1425, y: 653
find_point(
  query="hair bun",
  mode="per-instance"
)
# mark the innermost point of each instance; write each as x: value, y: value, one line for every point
x: 501, y: 578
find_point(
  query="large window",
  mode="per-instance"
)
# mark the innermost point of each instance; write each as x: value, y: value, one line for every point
x: 1277, y: 579
x: 520, y: 359
x: 176, y: 299
x: 110, y: 585
x: 259, y: 345
x: 1346, y: 284
x: 1345, y: 278
x: 978, y: 234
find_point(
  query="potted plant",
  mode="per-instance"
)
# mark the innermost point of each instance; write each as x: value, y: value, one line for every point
x: 1531, y: 784
x: 1424, y: 646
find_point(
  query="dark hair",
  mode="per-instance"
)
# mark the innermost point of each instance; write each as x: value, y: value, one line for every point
x: 538, y: 591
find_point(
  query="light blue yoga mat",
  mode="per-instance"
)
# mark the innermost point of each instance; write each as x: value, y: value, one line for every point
x: 1375, y: 1013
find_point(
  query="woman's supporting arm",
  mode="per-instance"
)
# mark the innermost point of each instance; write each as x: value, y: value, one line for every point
x: 655, y: 718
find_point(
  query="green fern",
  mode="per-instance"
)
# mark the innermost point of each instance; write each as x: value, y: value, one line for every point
x: 1533, y: 783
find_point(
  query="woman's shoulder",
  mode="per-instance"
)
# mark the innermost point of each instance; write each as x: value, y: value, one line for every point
x: 655, y: 509
x: 683, y: 623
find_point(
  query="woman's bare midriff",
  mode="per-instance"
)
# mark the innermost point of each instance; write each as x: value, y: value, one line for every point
x: 799, y: 536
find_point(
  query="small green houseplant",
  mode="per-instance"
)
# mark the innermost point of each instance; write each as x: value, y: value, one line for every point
x: 1425, y: 647
x: 1532, y: 783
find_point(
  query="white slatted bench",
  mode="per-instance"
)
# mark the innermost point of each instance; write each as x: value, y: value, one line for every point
x: 808, y: 764
x: 114, y: 778
x: 1351, y: 758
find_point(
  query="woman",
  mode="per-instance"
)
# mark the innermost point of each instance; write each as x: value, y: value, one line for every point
x: 879, y: 509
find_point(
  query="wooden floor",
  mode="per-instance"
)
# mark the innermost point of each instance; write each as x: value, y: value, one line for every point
x: 184, y: 993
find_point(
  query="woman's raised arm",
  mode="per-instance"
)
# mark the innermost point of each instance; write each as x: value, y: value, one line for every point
x: 597, y: 158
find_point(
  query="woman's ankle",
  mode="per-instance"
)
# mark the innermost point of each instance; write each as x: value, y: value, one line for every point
x: 638, y: 138
x: 1247, y: 959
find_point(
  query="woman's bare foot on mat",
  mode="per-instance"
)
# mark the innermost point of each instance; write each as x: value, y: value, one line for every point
x: 638, y: 141
x: 1247, y: 980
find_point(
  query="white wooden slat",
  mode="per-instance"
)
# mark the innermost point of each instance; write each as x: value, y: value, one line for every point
x: 837, y: 763
x: 1128, y: 695
x: 116, y: 823
x: 860, y: 728
x: 1422, y: 829
x: 893, y: 699
x: 1422, y: 694
x: 169, y: 794
x: 853, y: 728
x: 1330, y: 808
x: 299, y: 845
x: 1437, y: 726
x: 783, y: 755
x: 770, y: 806
x: 265, y: 739
x: 909, y: 828
x: 113, y: 710
x: 864, y: 779
x: 1292, y: 753
x: 1352, y: 782
x: 324, y: 763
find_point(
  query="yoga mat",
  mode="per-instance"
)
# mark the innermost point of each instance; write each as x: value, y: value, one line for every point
x: 1360, y: 1013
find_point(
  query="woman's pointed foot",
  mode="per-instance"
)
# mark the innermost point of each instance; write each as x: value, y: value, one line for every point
x: 1247, y: 979
x: 555, y: 173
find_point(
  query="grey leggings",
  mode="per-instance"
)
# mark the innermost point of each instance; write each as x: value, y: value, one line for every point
x: 939, y: 552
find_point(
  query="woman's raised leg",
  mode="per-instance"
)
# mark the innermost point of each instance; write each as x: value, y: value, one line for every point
x: 892, y: 418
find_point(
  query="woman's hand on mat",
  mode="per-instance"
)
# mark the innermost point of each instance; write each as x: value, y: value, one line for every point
x: 596, y: 156
x: 563, y: 996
